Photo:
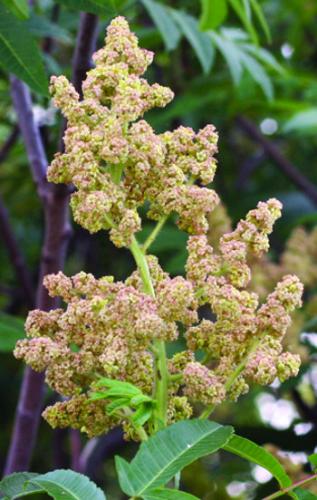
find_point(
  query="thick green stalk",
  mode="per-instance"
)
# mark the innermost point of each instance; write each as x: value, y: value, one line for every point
x: 143, y: 267
x: 161, y: 371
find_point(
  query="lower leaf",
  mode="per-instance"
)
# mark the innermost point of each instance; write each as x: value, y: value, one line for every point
x: 69, y: 485
x: 255, y: 453
x: 168, y: 494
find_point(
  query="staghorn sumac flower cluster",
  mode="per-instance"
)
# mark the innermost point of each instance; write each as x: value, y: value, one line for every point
x: 299, y: 257
x: 118, y: 330
x: 104, y: 139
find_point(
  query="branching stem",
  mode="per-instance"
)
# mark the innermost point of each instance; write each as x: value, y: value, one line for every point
x: 161, y: 372
x: 151, y: 238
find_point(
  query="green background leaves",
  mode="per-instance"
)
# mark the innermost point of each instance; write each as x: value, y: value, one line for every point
x: 19, y: 53
x: 11, y: 330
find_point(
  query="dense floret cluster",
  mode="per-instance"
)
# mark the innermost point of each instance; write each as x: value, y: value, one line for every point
x: 104, y: 139
x: 117, y: 330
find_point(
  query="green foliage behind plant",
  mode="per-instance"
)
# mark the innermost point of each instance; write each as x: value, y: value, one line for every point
x: 224, y: 59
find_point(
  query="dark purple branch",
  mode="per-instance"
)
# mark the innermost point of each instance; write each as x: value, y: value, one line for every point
x: 16, y: 256
x: 60, y: 457
x: 57, y: 233
x: 49, y: 42
x: 248, y: 167
x: 279, y: 159
x: 85, y: 46
x: 97, y: 450
x: 31, y: 134
x: 75, y: 447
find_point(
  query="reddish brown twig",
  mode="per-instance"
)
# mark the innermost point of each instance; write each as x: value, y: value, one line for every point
x: 85, y: 46
x: 279, y: 159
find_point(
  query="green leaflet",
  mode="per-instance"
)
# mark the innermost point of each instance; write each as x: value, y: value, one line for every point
x: 313, y: 460
x: 69, y: 485
x: 230, y: 53
x: 164, y: 23
x: 258, y: 74
x: 242, y: 56
x: 257, y: 10
x: 99, y: 7
x: 58, y: 484
x: 199, y: 41
x: 245, y: 18
x: 254, y: 453
x: 213, y: 13
x: 11, y: 330
x: 41, y: 27
x: 16, y: 485
x: 19, y: 8
x: 304, y: 494
x: 168, y: 494
x: 169, y: 451
x: 19, y: 53
x: 123, y: 395
x: 303, y: 121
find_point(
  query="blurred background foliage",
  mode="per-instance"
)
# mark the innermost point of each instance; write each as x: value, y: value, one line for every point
x: 247, y: 66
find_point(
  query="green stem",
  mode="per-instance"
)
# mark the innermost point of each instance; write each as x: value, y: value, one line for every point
x: 161, y: 371
x: 148, y: 242
x: 116, y: 173
x: 128, y: 413
x: 207, y: 412
x: 177, y: 480
x: 141, y: 433
x: 109, y: 220
x: 143, y: 267
x: 175, y: 377
x: 284, y: 491
x: 234, y: 375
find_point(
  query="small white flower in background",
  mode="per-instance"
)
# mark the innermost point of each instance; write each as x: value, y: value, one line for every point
x: 236, y: 488
x: 312, y: 377
x: 302, y: 428
x: 279, y: 413
x: 44, y: 116
x: 268, y: 126
x: 287, y: 50
x: 261, y: 475
x: 275, y: 384
x: 298, y: 457
x: 310, y: 337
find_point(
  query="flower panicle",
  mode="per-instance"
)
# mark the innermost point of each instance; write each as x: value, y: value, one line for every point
x: 114, y: 158
x: 117, y: 162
